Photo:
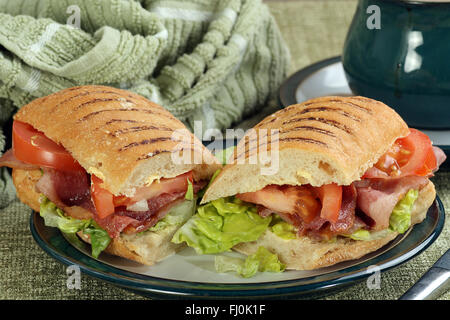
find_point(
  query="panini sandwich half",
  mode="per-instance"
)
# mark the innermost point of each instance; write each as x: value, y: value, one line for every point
x: 98, y: 162
x: 351, y: 177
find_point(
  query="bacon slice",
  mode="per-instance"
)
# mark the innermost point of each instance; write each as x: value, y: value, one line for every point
x: 440, y: 156
x: 68, y: 188
x: 114, y: 224
x: 8, y: 159
x: 299, y: 206
x: 138, y: 221
x: 323, y: 229
x: 72, y: 189
x: 378, y: 197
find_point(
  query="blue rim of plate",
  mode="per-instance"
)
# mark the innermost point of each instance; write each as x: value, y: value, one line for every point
x: 289, y: 86
x: 420, y: 237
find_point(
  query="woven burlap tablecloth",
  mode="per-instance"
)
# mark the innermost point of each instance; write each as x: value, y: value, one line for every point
x: 314, y: 30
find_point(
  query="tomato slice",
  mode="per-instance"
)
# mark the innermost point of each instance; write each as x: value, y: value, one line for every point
x: 422, y: 162
x: 105, y: 202
x: 412, y: 155
x: 331, y: 198
x: 102, y: 198
x: 299, y: 200
x: 33, y: 147
x: 164, y: 185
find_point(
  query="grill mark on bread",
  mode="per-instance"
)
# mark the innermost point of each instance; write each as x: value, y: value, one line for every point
x: 147, y: 142
x: 309, y: 128
x: 159, y: 151
x: 286, y: 139
x: 319, y: 109
x: 107, y: 123
x: 348, y: 103
x: 138, y: 129
x: 122, y: 120
x: 330, y: 122
x: 298, y: 128
x: 82, y: 94
x: 331, y: 109
x: 307, y: 140
x: 96, y: 100
x: 151, y: 154
x: 92, y: 114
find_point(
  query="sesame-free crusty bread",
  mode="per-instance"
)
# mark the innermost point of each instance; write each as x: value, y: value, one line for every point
x: 146, y: 248
x: 304, y: 253
x: 121, y: 137
x: 320, y: 141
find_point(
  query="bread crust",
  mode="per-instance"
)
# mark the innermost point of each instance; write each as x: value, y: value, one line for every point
x: 119, y: 136
x: 321, y: 141
x: 147, y: 248
x: 304, y: 253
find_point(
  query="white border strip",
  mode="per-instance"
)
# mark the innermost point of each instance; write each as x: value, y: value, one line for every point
x: 45, y: 37
x: 183, y: 14
x: 193, y: 15
x: 33, y: 82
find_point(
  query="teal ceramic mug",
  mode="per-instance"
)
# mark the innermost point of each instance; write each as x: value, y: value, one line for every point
x: 398, y: 52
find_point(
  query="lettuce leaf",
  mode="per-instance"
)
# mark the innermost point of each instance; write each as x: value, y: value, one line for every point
x: 221, y: 224
x: 190, y: 191
x: 99, y: 238
x: 365, y: 235
x: 262, y: 260
x: 55, y: 217
x: 282, y: 229
x: 400, y: 219
x: 178, y: 215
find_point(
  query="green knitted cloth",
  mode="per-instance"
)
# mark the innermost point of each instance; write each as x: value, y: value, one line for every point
x: 217, y: 61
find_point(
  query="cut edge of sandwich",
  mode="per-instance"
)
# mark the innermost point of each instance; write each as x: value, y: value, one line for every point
x: 146, y: 248
x: 332, y: 156
x: 304, y: 253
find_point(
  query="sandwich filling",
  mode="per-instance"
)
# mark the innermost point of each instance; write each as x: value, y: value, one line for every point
x: 80, y: 195
x: 330, y: 210
x: 381, y: 201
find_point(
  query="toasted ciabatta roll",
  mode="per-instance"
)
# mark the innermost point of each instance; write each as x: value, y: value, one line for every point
x: 343, y: 164
x: 111, y: 157
x: 146, y: 248
x: 306, y: 253
x: 321, y: 141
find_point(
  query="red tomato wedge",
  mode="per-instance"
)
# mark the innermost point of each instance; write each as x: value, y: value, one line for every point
x: 286, y: 199
x: 412, y: 155
x: 422, y: 162
x: 105, y: 202
x: 33, y: 147
x: 331, y: 198
x: 164, y: 185
x: 102, y: 198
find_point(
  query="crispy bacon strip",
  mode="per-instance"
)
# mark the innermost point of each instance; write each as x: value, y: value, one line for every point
x: 8, y: 159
